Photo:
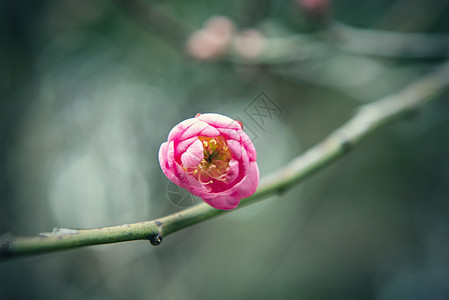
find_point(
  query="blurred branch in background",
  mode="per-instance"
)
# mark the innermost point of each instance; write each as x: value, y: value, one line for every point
x: 368, y: 119
x: 390, y: 44
x: 365, y: 42
x: 219, y: 39
x: 157, y: 20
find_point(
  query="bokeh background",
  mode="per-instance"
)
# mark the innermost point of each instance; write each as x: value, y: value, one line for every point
x: 90, y: 89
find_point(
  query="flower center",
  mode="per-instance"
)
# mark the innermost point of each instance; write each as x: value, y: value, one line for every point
x: 216, y: 159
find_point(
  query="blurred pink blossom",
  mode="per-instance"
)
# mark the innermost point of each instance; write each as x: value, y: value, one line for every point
x: 212, y: 158
x: 250, y: 43
x: 211, y: 41
x: 317, y: 10
x: 314, y: 4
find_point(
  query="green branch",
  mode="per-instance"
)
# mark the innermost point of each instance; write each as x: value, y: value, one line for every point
x: 368, y: 119
x: 157, y: 20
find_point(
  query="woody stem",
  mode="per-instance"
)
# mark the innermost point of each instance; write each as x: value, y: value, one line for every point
x: 369, y: 119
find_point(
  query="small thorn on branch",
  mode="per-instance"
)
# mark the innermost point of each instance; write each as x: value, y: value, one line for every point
x: 346, y: 145
x: 6, y: 244
x: 155, y: 239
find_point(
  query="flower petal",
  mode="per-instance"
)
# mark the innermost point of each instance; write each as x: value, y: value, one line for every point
x: 236, y: 148
x: 230, y: 134
x: 182, y: 146
x: 163, y: 161
x: 233, y: 171
x: 223, y: 202
x: 249, y: 146
x: 210, y: 131
x: 219, y: 121
x: 193, y: 130
x: 248, y: 185
x: 193, y: 155
x: 170, y: 154
x: 189, y: 182
x: 176, y: 132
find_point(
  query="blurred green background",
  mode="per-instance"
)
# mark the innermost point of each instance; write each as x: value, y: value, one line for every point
x: 90, y: 89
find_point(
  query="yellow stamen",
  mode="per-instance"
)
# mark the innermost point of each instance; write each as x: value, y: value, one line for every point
x: 215, y: 164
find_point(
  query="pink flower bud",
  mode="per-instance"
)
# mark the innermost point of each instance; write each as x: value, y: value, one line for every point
x: 316, y: 10
x: 212, y: 158
x: 250, y: 43
x: 213, y: 40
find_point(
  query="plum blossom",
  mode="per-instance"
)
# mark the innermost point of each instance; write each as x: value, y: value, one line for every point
x: 213, y: 158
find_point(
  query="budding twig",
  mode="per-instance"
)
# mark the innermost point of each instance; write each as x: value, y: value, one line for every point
x: 368, y: 119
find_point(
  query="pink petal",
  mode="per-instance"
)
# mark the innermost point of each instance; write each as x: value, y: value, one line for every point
x: 249, y: 146
x: 163, y: 161
x: 163, y: 157
x: 188, y: 182
x: 210, y: 131
x: 193, y: 130
x: 182, y: 146
x: 223, y: 202
x: 225, y: 189
x: 233, y: 171
x: 219, y: 121
x: 236, y: 148
x: 176, y: 132
x: 230, y: 134
x: 192, y: 157
x: 170, y: 154
x: 248, y: 185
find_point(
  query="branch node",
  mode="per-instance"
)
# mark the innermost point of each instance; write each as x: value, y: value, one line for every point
x: 155, y: 239
x: 281, y: 190
x: 413, y: 113
x: 6, y: 245
x: 345, y: 144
